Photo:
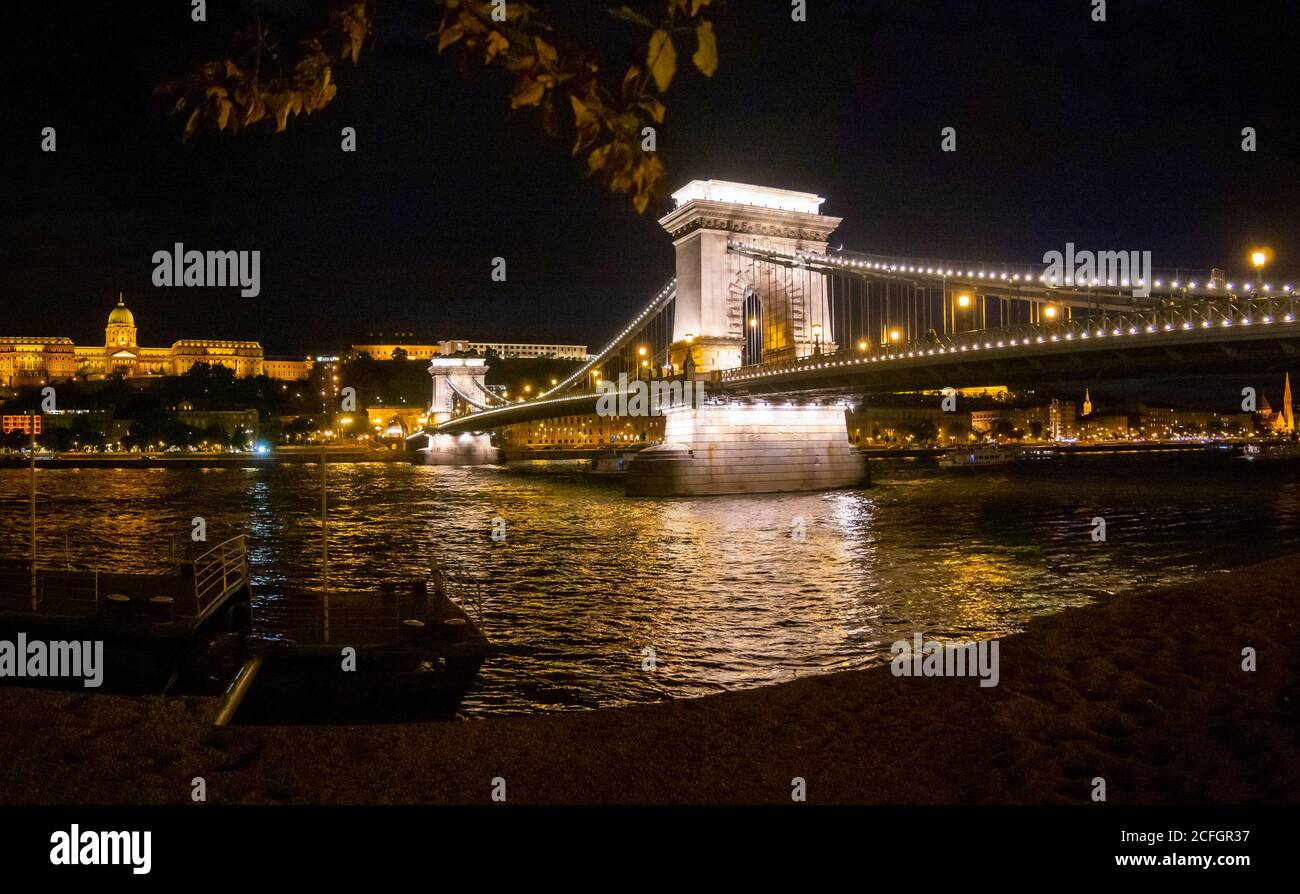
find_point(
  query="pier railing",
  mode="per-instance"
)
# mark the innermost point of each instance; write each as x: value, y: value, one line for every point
x: 218, y: 571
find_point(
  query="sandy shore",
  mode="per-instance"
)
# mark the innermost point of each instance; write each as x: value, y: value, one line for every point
x: 1145, y: 690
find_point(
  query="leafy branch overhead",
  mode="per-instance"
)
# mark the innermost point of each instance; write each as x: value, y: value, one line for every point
x: 607, y: 114
x: 260, y: 82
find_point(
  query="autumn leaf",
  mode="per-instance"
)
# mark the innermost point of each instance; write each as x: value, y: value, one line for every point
x: 662, y: 59
x: 527, y: 93
x: 449, y: 36
x: 223, y: 112
x: 706, y: 56
x: 586, y: 122
x: 496, y: 43
x: 545, y: 52
x: 630, y: 79
x: 596, y: 160
x: 656, y: 109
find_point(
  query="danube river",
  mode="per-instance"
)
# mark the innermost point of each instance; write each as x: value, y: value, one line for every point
x: 722, y: 589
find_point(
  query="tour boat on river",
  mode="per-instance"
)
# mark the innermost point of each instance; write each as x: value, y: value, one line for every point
x: 981, y: 455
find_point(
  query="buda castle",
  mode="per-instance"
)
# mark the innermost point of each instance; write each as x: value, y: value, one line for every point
x: 37, y: 361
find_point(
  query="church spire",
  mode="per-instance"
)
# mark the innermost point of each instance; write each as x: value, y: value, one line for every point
x: 1087, y: 403
x: 1288, y: 414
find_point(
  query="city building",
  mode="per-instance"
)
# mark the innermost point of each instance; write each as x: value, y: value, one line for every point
x: 899, y: 425
x: 23, y: 424
x: 38, y: 360
x: 1054, y: 421
x: 522, y: 350
x: 1281, y: 421
x: 288, y: 370
x: 394, y: 346
x: 403, y: 346
x: 227, y: 421
x: 590, y: 431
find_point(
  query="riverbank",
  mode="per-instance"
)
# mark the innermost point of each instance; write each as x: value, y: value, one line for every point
x: 1145, y: 690
x: 199, y: 460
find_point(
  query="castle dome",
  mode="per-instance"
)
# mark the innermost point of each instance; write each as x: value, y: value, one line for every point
x: 120, y: 314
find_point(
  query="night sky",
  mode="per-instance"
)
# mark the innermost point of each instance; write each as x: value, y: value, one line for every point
x: 1122, y: 135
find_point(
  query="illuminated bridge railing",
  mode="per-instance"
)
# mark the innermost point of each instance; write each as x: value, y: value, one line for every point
x: 618, y: 356
x: 1167, y: 282
x: 1193, y: 318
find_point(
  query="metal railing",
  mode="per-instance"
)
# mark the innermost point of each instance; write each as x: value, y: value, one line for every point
x: 459, y: 586
x: 218, y: 571
x: 1184, y: 317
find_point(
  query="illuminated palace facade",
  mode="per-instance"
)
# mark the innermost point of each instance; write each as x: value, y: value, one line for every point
x: 35, y: 361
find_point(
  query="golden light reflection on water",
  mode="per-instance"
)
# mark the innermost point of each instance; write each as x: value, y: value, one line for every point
x: 719, y: 588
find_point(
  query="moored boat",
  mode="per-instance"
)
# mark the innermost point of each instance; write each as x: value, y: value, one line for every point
x: 154, y: 628
x: 981, y: 455
x: 405, y: 653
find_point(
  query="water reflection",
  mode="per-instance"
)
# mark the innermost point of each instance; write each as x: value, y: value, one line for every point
x: 719, y: 588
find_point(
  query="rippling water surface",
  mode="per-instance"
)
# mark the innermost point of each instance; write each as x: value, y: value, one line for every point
x: 587, y: 579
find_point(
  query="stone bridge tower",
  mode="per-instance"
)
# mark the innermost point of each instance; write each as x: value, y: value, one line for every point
x: 452, y: 375
x: 725, y: 300
x: 465, y: 375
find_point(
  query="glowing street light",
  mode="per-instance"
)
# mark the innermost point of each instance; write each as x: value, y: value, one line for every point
x: 963, y: 300
x: 895, y: 335
x: 1049, y: 311
x: 1258, y: 258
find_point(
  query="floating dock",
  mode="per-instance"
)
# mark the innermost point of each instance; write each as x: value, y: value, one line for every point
x: 152, y: 625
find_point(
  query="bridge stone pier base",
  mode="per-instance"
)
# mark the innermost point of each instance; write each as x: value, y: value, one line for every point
x: 460, y: 450
x: 748, y: 449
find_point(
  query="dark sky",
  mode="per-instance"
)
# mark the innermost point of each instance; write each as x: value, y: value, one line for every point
x: 1122, y: 135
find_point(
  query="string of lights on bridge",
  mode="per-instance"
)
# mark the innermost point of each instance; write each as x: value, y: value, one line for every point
x: 815, y: 362
x: 655, y: 304
x: 901, y: 266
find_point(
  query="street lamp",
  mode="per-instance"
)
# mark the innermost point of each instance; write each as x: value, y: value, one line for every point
x: 1258, y: 258
x: 1049, y: 311
x: 817, y: 338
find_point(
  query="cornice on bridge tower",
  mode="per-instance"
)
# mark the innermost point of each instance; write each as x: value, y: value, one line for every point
x: 709, y: 320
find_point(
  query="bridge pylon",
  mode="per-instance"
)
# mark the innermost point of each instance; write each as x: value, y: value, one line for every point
x: 457, y: 379
x: 725, y: 300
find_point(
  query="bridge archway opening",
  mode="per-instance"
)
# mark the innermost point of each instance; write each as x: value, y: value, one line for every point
x: 752, y: 312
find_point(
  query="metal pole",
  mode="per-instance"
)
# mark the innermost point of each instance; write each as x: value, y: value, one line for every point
x: 325, y: 531
x: 31, y: 419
